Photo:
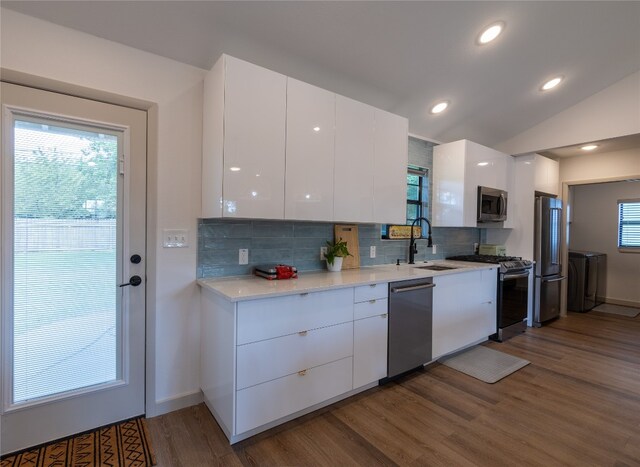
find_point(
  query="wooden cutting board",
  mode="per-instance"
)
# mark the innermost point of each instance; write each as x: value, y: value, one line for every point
x: 349, y: 234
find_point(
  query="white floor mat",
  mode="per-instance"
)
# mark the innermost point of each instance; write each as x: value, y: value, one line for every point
x: 485, y: 364
x: 617, y: 310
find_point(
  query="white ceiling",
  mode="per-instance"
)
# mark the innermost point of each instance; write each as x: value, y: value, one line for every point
x: 400, y: 56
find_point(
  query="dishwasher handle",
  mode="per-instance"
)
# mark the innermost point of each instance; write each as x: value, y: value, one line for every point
x: 411, y: 287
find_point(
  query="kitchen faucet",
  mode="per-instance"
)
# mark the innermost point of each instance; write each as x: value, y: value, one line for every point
x: 413, y: 249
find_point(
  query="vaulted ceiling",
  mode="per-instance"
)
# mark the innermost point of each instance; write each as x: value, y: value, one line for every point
x: 400, y: 56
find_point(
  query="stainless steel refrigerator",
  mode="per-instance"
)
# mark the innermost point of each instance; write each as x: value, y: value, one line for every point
x: 548, y: 277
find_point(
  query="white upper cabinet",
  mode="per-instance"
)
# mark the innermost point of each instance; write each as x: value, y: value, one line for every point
x: 244, y: 143
x: 458, y: 169
x: 354, y: 161
x: 277, y: 148
x: 311, y: 119
x: 547, y: 175
x: 390, y: 165
x: 254, y: 141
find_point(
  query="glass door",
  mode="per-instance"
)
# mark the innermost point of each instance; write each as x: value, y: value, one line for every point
x: 73, y: 295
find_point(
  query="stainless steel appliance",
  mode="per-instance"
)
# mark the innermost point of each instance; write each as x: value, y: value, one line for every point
x: 410, y: 324
x: 547, y: 237
x: 587, y: 280
x: 492, y: 204
x: 512, y: 293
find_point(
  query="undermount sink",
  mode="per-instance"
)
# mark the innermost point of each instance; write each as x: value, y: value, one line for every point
x: 436, y: 267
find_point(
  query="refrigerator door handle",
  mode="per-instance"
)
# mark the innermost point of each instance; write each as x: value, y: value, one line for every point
x: 558, y: 279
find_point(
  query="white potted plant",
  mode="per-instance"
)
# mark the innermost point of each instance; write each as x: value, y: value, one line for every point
x: 336, y: 252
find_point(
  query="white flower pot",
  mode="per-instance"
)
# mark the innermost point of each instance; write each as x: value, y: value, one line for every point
x: 337, y: 264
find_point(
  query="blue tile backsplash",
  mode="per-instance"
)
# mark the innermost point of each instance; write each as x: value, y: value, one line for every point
x: 298, y: 243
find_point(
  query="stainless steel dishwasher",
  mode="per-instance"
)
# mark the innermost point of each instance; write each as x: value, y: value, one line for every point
x: 410, y: 325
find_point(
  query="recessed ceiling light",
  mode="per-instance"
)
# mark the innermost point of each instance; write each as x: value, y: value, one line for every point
x: 490, y: 33
x: 589, y: 147
x: 439, y: 107
x: 316, y: 128
x: 482, y: 164
x: 234, y: 169
x: 552, y: 83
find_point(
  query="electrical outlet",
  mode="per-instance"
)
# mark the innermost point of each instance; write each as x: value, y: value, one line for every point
x: 243, y: 256
x: 434, y: 249
x: 175, y: 238
x: 323, y: 251
x: 372, y: 251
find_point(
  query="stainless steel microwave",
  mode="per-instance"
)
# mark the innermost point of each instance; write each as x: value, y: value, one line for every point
x: 492, y: 204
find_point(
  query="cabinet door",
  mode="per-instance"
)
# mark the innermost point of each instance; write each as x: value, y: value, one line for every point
x: 353, y: 171
x: 390, y: 168
x: 369, y: 350
x: 267, y: 402
x: 449, y: 188
x: 311, y: 115
x: 254, y: 141
x: 266, y: 318
x: 464, y: 310
x: 274, y: 358
x: 486, y: 166
x: 546, y: 175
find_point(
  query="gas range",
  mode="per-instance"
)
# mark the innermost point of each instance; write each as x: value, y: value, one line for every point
x: 508, y: 264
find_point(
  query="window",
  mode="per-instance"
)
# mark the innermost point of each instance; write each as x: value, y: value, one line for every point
x: 629, y: 224
x: 417, y: 196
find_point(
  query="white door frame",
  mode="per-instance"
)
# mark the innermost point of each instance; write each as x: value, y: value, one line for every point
x: 133, y: 242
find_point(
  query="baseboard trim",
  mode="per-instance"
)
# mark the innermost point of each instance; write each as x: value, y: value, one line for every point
x: 178, y: 402
x: 615, y: 301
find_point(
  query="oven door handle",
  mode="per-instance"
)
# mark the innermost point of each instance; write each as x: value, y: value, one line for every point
x: 508, y: 277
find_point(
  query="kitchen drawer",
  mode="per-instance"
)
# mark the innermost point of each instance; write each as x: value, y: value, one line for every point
x: 266, y: 402
x: 365, y: 293
x: 370, y: 308
x: 274, y: 317
x: 274, y: 358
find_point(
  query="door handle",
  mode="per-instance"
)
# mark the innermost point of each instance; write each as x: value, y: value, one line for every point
x: 135, y: 281
x: 554, y: 280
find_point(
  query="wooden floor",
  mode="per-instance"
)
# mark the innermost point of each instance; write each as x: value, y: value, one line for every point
x: 578, y: 403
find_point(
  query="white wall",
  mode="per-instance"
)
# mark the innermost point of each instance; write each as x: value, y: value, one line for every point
x: 595, y: 228
x: 613, y: 112
x: 598, y: 167
x: 58, y: 58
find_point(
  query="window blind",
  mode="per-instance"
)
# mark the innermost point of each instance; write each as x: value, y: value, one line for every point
x: 629, y: 223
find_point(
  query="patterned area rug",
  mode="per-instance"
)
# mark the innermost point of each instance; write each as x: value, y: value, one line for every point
x: 125, y: 444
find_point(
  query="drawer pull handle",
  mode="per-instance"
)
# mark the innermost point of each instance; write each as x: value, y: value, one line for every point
x: 372, y: 301
x: 302, y: 372
x: 383, y: 316
x: 302, y: 333
x: 372, y: 285
x: 304, y: 294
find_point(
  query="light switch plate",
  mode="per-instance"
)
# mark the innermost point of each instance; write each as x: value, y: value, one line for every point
x: 372, y: 251
x: 175, y: 238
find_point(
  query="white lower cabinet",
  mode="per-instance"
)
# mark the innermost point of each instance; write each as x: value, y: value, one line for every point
x: 369, y: 350
x: 264, y: 403
x: 370, y: 333
x: 270, y: 359
x: 464, y: 310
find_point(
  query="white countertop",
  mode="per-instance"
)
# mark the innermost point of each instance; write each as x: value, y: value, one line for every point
x: 240, y: 288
